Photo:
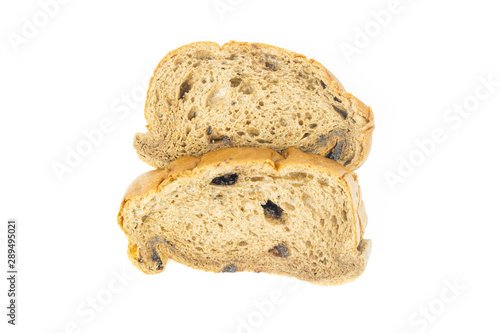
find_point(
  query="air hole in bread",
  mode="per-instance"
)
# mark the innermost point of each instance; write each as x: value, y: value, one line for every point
x: 344, y: 215
x: 242, y: 243
x: 235, y: 82
x: 247, y: 90
x: 340, y: 111
x: 220, y: 139
x: 184, y: 89
x: 256, y: 179
x: 323, y: 183
x: 263, y: 141
x: 214, y: 138
x: 312, y: 126
x: 271, y: 66
x: 157, y: 97
x: 297, y: 176
x: 203, y: 55
x: 336, y: 99
x: 280, y: 251
x: 253, y: 132
x: 305, y: 135
x: 272, y: 210
x: 228, y: 179
x: 289, y: 206
x: 323, y: 84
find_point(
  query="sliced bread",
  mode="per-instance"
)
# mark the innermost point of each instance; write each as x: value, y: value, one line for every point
x: 249, y: 209
x: 203, y: 97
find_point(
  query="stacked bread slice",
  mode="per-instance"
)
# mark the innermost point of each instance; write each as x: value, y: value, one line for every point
x: 254, y: 148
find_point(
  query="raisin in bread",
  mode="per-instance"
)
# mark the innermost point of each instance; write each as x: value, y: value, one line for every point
x: 249, y: 209
x: 203, y: 97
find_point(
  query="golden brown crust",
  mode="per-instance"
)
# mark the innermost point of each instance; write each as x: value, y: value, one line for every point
x: 152, y: 180
x: 367, y: 132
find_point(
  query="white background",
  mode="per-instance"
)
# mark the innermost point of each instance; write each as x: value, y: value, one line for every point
x: 435, y: 226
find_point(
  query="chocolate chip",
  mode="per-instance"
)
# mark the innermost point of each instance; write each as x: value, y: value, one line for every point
x: 229, y: 269
x: 209, y: 130
x: 228, y: 179
x: 323, y: 84
x: 272, y: 210
x: 280, y: 250
x: 336, y: 152
x: 156, y: 258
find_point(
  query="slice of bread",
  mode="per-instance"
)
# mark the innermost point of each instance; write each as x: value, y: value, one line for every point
x: 203, y: 97
x: 249, y: 209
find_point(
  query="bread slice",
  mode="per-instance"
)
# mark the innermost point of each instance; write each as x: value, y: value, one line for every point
x: 249, y: 209
x: 203, y: 97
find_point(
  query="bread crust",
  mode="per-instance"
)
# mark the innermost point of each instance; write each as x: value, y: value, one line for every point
x: 153, y: 181
x: 363, y: 114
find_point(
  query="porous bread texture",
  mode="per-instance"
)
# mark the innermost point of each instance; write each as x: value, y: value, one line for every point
x: 298, y: 215
x: 203, y: 97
